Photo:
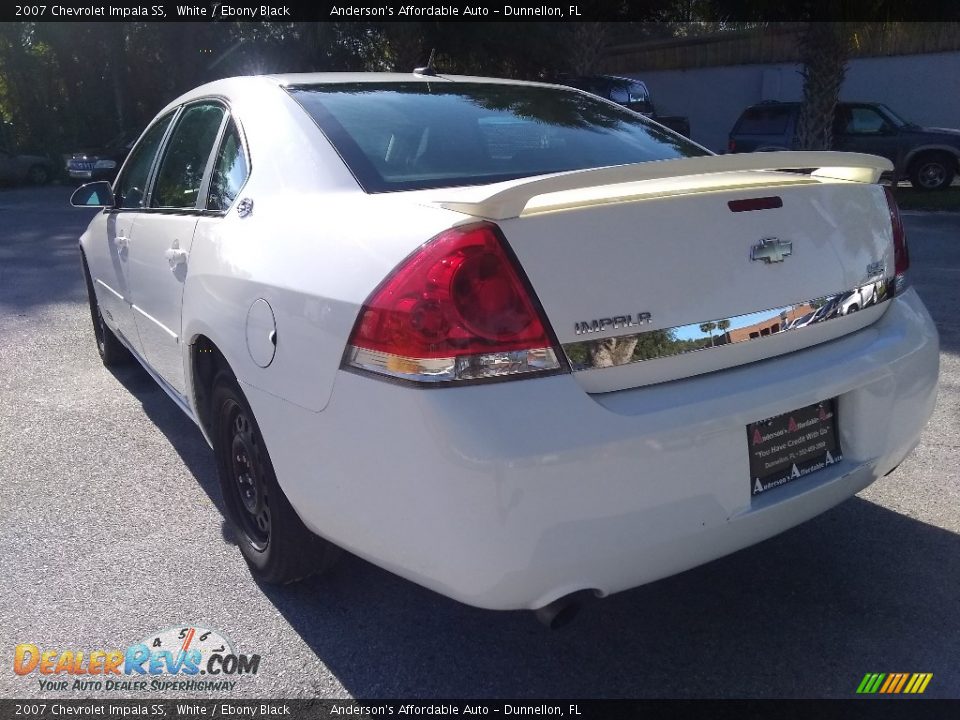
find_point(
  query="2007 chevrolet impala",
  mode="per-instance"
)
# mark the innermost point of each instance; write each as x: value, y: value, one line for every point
x: 508, y: 340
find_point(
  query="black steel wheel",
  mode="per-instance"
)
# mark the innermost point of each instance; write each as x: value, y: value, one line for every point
x: 933, y: 171
x: 247, y: 472
x: 276, y: 544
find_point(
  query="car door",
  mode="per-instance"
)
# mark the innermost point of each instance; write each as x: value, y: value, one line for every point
x: 7, y: 167
x: 161, y: 239
x: 863, y: 129
x: 109, y: 251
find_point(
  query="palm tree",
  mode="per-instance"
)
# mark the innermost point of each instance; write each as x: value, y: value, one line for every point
x: 723, y: 326
x: 709, y: 327
x: 824, y: 50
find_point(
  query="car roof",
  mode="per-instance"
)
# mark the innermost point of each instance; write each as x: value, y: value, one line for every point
x: 333, y: 78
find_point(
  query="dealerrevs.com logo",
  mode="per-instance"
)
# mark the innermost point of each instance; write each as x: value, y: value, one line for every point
x: 178, y: 659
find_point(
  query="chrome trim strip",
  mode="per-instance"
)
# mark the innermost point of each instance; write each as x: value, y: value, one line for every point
x: 695, y: 337
x: 156, y: 322
x: 102, y: 284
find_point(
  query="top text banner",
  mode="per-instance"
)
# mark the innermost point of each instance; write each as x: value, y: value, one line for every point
x: 306, y: 11
x: 478, y: 10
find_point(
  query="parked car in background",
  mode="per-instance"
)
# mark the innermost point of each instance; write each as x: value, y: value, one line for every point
x: 926, y: 156
x: 632, y: 94
x: 18, y: 168
x: 446, y: 324
x: 101, y: 163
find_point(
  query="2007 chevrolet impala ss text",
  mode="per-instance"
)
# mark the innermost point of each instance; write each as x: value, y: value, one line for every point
x: 508, y: 340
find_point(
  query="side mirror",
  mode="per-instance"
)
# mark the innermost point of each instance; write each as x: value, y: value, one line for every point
x: 95, y: 194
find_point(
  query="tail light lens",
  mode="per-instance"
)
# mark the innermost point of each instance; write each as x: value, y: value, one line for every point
x: 901, y: 254
x: 457, y: 309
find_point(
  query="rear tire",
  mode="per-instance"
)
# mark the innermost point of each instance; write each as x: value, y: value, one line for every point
x: 112, y: 352
x: 933, y: 171
x: 276, y: 544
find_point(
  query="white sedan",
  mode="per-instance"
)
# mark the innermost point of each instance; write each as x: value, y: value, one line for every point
x: 507, y: 340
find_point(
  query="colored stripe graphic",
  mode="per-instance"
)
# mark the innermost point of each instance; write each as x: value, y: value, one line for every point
x: 903, y: 680
x: 894, y: 683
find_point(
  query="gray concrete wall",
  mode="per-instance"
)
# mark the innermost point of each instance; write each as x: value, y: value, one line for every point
x: 921, y: 88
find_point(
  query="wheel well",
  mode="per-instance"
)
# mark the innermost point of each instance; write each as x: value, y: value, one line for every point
x: 206, y: 361
x: 920, y: 156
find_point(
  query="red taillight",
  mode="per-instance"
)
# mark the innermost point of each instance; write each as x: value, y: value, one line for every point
x: 901, y: 254
x: 456, y: 309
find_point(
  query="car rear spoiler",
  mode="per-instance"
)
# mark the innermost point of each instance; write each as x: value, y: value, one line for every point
x: 511, y: 202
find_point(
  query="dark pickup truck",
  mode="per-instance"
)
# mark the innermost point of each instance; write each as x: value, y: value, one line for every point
x: 926, y: 156
x: 632, y: 94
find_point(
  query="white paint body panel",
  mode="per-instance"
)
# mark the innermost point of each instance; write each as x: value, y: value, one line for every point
x: 509, y: 495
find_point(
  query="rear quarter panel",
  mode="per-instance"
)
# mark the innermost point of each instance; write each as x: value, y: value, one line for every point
x: 314, y: 247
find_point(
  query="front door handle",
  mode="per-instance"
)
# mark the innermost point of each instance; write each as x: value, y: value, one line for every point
x: 176, y: 256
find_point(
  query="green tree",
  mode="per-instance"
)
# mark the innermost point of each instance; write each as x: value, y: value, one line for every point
x: 723, y: 326
x: 709, y: 327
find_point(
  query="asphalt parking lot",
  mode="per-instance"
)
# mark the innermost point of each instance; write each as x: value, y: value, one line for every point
x: 111, y: 531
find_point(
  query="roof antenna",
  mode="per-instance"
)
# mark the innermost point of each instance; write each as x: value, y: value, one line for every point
x: 428, y: 70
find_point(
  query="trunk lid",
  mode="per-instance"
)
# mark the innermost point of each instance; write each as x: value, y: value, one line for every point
x: 648, y: 274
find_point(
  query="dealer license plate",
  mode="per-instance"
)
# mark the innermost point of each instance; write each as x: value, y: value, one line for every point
x: 793, y: 445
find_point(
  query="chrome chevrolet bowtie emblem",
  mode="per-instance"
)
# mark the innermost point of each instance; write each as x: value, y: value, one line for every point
x: 771, y: 250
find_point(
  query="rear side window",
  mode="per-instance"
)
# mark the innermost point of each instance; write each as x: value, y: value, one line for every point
x: 763, y: 120
x: 185, y: 160
x: 409, y: 136
x: 131, y: 186
x: 229, y: 171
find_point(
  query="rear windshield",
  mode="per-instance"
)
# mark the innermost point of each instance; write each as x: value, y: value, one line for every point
x: 411, y: 136
x: 764, y: 121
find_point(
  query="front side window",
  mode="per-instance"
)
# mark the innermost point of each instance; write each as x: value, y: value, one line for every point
x: 417, y: 135
x: 130, y: 187
x: 185, y: 159
x: 864, y: 121
x: 229, y: 171
x: 620, y: 94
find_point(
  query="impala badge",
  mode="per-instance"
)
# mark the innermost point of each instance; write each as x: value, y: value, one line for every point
x: 612, y: 323
x: 771, y: 250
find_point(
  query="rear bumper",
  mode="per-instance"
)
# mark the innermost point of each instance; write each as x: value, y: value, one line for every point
x: 511, y: 495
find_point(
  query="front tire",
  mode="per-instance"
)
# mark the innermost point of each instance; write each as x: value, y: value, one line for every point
x: 934, y: 171
x: 112, y: 352
x: 276, y: 544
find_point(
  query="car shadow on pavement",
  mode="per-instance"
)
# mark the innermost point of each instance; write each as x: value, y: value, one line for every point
x: 807, y: 614
x: 184, y: 437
